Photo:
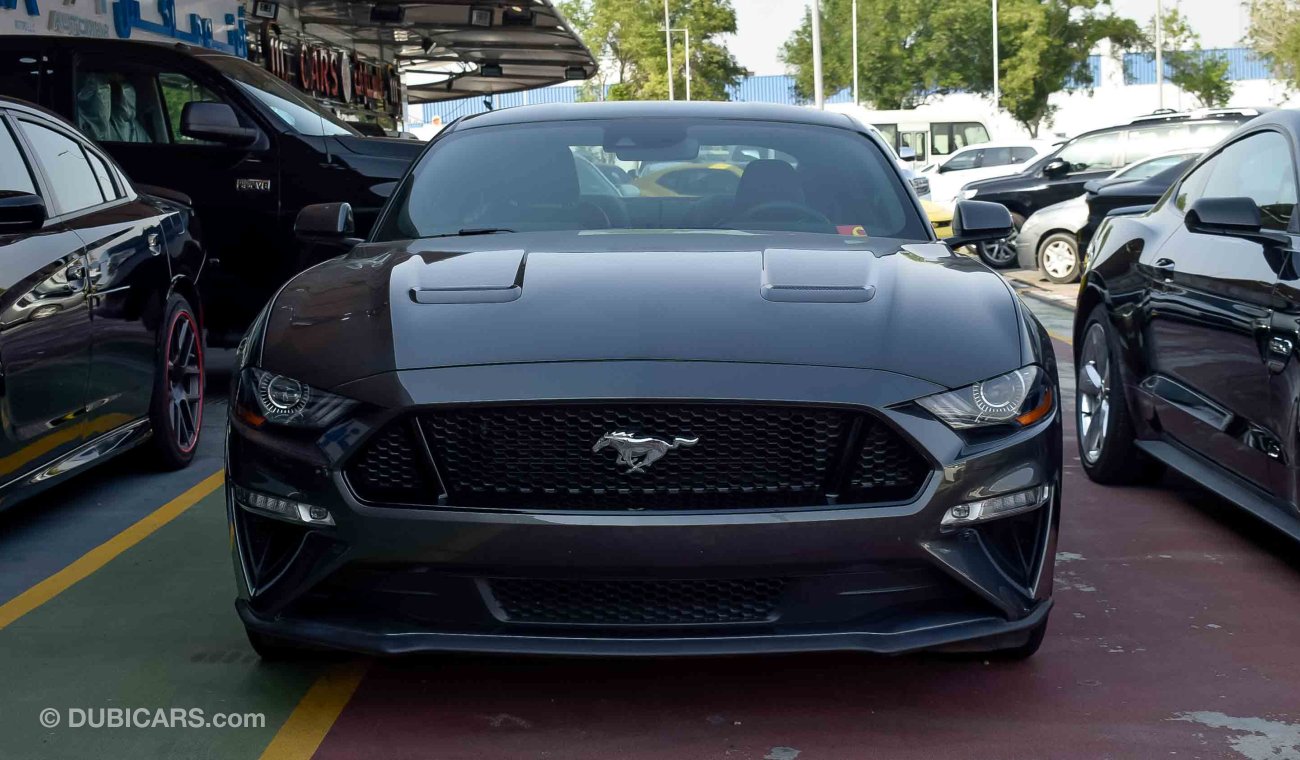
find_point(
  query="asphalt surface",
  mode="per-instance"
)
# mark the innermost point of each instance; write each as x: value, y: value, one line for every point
x: 1173, y: 636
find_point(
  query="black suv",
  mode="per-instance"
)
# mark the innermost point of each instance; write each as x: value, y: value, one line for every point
x: 1061, y: 175
x: 245, y: 146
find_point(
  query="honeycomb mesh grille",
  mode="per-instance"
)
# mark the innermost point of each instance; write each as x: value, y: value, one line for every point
x: 390, y: 468
x: 745, y: 455
x: 887, y: 468
x: 637, y: 602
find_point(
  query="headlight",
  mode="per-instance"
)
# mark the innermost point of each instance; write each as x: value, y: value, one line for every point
x: 1018, y: 398
x: 921, y: 185
x: 281, y: 400
x: 968, y: 192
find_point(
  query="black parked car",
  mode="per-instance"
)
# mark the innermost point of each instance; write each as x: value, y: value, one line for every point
x: 1061, y: 175
x: 100, y: 340
x: 1134, y: 197
x: 593, y: 424
x: 1188, y: 325
x: 246, y: 147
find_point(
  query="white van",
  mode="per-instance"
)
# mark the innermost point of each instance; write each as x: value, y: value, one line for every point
x: 932, y: 133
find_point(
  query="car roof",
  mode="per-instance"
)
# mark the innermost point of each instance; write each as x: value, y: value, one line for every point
x: 658, y: 109
x: 1025, y: 143
x: 15, y: 104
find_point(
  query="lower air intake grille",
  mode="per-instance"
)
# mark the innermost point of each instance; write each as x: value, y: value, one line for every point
x: 633, y: 602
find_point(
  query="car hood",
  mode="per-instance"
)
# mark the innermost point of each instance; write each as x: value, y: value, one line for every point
x: 800, y: 299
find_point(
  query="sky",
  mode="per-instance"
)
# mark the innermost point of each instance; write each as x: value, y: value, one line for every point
x: 763, y: 25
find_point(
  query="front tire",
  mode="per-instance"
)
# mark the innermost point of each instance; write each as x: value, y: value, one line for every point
x: 1058, y: 258
x: 176, y: 410
x: 1104, y: 427
x: 1001, y: 254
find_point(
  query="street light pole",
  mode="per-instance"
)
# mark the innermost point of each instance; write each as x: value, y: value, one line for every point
x: 818, y: 98
x: 997, y: 84
x: 687, y: 32
x: 1160, y: 54
x: 668, y: 43
x: 856, y: 101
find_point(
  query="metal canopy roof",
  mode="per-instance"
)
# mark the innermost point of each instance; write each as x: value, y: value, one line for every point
x: 442, y: 55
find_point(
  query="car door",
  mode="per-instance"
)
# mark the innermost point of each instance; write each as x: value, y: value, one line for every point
x: 127, y: 279
x: 1086, y: 158
x: 44, y: 314
x: 1210, y: 307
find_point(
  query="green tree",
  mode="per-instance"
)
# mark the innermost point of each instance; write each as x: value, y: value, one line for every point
x: 1190, y: 68
x: 627, y: 36
x: 911, y: 50
x: 1275, y: 35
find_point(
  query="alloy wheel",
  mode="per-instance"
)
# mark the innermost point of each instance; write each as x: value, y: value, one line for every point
x: 1059, y: 259
x: 1094, y: 393
x: 1000, y: 252
x: 184, y: 367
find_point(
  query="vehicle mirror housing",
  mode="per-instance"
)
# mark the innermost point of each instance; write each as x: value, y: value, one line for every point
x: 1237, y: 217
x: 979, y: 222
x: 907, y: 153
x: 325, y: 221
x: 1057, y: 167
x: 20, y: 212
x: 215, y: 122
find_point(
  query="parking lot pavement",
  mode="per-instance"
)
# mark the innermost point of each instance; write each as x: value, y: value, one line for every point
x: 1173, y: 635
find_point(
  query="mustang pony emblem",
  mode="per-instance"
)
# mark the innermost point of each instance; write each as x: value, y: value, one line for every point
x: 639, y: 452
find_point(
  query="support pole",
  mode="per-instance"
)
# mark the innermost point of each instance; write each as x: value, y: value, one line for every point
x: 819, y: 98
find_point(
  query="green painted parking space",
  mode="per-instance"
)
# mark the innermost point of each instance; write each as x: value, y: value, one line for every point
x: 153, y: 629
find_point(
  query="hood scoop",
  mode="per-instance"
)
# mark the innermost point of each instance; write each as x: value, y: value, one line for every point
x: 481, y: 277
x: 802, y: 276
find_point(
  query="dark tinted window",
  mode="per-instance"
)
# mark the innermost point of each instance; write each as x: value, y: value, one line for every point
x: 523, y: 178
x: 1259, y: 167
x: 20, y: 75
x: 1194, y: 184
x: 13, y: 169
x: 1020, y: 155
x: 104, y: 176
x: 967, y: 160
x: 997, y: 156
x: 71, y: 178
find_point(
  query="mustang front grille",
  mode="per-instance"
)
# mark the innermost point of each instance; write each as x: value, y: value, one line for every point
x: 629, y: 456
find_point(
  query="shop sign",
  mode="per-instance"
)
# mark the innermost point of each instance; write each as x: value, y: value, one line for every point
x: 214, y: 24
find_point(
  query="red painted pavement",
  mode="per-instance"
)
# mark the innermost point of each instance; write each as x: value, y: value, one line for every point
x: 1169, y: 604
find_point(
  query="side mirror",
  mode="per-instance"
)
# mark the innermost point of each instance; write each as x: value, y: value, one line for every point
x: 325, y: 221
x: 979, y: 222
x: 20, y: 212
x: 907, y: 153
x: 215, y: 122
x: 1231, y: 217
x: 1057, y: 167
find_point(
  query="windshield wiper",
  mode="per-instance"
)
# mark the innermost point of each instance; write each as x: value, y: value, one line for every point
x: 466, y: 231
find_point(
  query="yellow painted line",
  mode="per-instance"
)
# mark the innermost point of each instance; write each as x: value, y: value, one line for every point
x: 101, y: 555
x: 311, y: 720
x: 1061, y: 338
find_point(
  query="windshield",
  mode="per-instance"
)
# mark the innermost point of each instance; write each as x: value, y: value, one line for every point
x: 685, y: 174
x: 302, y: 114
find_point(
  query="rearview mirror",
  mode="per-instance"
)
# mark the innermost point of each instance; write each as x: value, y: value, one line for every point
x: 1057, y: 167
x: 979, y: 222
x: 20, y: 212
x: 1231, y: 217
x: 325, y: 221
x: 215, y: 122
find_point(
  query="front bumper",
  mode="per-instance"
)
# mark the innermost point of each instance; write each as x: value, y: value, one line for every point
x: 876, y: 578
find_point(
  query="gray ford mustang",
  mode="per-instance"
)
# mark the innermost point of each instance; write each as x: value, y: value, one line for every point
x: 753, y: 406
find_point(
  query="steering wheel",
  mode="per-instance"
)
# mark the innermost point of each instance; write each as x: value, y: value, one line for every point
x: 783, y: 211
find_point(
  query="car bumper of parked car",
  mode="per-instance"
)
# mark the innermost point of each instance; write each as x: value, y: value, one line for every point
x: 879, y: 577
